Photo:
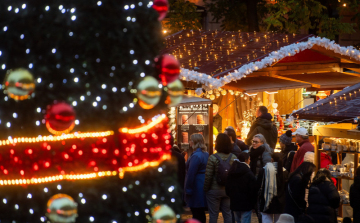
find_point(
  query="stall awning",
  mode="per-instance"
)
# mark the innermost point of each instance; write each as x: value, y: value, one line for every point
x: 192, y: 100
x: 343, y: 106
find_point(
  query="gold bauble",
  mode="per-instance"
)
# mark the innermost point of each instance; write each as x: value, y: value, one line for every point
x: 176, y: 92
x: 212, y: 97
x: 61, y: 208
x: 163, y: 214
x: 19, y: 84
x: 148, y: 92
x: 223, y: 92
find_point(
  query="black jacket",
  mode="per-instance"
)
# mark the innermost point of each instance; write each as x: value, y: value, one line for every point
x: 295, y: 197
x: 241, y: 145
x: 355, y: 198
x: 277, y: 204
x: 240, y: 187
x: 323, y: 200
x: 288, y: 155
x: 236, y: 150
x: 266, y: 127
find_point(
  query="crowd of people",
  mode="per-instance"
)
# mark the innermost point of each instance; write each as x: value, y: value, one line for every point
x: 242, y: 178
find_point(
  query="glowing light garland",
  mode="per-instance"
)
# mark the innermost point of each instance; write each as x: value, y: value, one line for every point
x: 144, y: 128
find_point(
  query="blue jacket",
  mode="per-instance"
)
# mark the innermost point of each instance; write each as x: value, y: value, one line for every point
x: 195, y: 178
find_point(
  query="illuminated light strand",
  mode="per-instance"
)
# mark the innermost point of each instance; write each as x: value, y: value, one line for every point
x: 142, y: 166
x: 58, y: 178
x: 55, y: 138
x: 144, y: 128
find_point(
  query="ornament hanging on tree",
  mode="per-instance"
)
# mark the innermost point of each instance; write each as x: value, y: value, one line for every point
x: 168, y: 68
x: 162, y: 7
x: 163, y: 214
x: 61, y: 208
x: 19, y: 84
x: 176, y: 91
x: 148, y: 92
x: 60, y: 118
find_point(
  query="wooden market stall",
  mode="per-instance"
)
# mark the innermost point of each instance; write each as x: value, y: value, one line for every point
x: 219, y: 61
x: 342, y: 137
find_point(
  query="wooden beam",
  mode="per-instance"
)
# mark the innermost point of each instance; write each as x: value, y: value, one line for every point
x: 352, y: 74
x: 295, y: 80
x: 349, y: 65
x: 307, y: 71
x: 232, y: 87
x: 331, y: 53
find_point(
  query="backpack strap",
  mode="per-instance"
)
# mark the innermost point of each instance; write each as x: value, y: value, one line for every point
x: 221, y: 160
x: 218, y: 157
x: 229, y: 158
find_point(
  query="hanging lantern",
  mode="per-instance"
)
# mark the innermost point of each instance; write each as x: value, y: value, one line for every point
x: 60, y: 118
x: 19, y: 84
x: 212, y: 97
x: 223, y: 92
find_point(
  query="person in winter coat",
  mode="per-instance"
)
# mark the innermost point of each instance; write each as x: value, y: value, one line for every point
x: 288, y: 149
x: 231, y: 133
x: 240, y: 187
x: 243, y: 147
x: 273, y: 178
x: 263, y: 125
x: 323, y: 198
x: 355, y: 196
x: 215, y: 194
x: 195, y: 178
x: 181, y: 167
x: 298, y: 182
x: 260, y: 154
x: 302, y: 138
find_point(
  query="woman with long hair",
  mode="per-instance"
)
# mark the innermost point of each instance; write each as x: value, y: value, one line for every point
x: 195, y: 178
x: 298, y: 182
x: 215, y: 194
x: 323, y: 198
x: 273, y: 179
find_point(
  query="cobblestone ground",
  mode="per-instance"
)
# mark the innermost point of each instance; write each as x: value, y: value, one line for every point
x: 188, y: 215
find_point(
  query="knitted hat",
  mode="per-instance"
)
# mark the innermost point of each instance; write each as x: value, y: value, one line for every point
x: 286, y: 218
x: 286, y: 138
x: 309, y: 157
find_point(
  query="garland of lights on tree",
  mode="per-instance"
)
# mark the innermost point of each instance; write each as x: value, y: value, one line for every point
x: 85, y: 136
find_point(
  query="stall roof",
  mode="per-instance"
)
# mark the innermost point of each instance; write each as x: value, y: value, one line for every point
x: 221, y: 59
x: 192, y: 100
x: 343, y: 106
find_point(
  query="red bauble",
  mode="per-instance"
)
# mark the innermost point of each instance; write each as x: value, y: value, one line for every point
x: 168, y: 68
x: 192, y: 221
x: 60, y: 118
x: 162, y: 7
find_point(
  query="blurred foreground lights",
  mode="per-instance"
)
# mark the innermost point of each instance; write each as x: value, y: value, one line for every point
x: 99, y: 3
x: 94, y: 103
x: 153, y: 196
x: 81, y: 195
x: 104, y: 197
x: 4, y: 201
x: 31, y: 211
x: 16, y: 206
x: 83, y: 201
x: 136, y: 213
x: 42, y: 219
x: 173, y: 200
x: 91, y: 219
x: 46, y: 190
x: 58, y: 187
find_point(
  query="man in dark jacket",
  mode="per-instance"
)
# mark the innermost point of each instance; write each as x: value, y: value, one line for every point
x: 240, y: 187
x: 265, y: 126
x: 232, y: 135
x: 302, y: 139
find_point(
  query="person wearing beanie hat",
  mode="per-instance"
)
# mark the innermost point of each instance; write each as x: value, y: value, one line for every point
x: 288, y: 149
x: 286, y: 218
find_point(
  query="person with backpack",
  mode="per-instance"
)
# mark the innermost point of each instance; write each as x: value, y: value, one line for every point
x: 323, y: 198
x: 195, y: 178
x: 216, y: 175
x: 298, y: 182
x: 240, y: 187
x: 288, y: 149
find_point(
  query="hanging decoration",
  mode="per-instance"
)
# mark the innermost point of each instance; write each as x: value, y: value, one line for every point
x: 176, y: 91
x: 19, y: 84
x: 148, y: 92
x: 168, y: 68
x: 162, y: 7
x: 60, y: 118
x: 163, y: 214
x: 61, y: 208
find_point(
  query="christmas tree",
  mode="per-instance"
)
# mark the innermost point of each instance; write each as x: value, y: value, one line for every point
x: 84, y: 135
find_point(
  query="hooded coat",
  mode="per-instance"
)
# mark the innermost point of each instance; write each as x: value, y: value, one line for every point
x: 288, y: 155
x: 263, y: 125
x: 355, y: 198
x: 323, y: 200
x: 240, y: 187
